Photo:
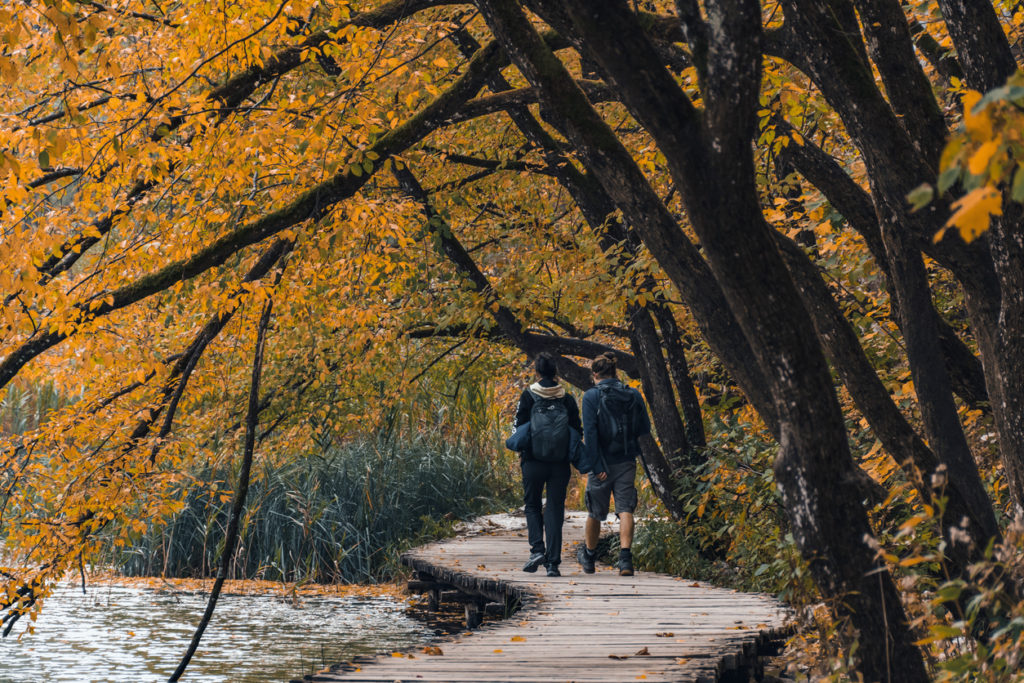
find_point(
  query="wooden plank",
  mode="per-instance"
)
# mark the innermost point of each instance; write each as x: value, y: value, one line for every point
x: 577, y: 627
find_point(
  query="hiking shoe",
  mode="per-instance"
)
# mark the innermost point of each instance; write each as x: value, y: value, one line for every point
x: 535, y: 561
x: 625, y: 562
x: 553, y: 570
x: 586, y: 559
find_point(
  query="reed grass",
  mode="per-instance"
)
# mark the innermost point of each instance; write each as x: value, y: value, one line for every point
x: 24, y: 406
x: 343, y: 516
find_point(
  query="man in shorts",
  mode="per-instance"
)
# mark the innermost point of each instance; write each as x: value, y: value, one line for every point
x: 614, y: 416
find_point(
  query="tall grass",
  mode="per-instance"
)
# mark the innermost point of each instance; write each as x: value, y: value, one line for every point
x: 23, y: 406
x: 340, y: 517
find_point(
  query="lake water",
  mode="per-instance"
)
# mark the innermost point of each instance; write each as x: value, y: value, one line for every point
x: 115, y: 633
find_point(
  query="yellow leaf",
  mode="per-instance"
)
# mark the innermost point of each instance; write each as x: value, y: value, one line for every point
x: 979, y: 126
x: 517, y: 639
x: 911, y: 561
x: 979, y: 160
x: 974, y: 212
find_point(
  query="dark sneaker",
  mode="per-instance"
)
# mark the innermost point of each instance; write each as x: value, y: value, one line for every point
x: 625, y: 563
x: 553, y: 570
x: 586, y: 559
x: 534, y: 563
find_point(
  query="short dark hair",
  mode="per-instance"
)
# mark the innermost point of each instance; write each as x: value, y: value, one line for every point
x: 545, y: 366
x: 604, y: 365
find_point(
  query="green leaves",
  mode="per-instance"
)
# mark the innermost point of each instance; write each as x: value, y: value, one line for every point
x: 921, y: 196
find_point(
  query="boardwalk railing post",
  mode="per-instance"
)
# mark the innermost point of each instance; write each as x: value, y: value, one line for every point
x: 473, y: 615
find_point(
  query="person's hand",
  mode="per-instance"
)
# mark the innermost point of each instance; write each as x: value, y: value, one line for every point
x: 601, y: 476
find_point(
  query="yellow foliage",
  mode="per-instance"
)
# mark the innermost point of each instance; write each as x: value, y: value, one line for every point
x: 979, y: 161
x: 978, y: 124
x: 974, y: 212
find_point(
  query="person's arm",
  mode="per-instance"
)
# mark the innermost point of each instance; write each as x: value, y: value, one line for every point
x: 523, y: 409
x: 646, y: 419
x: 590, y: 440
x: 574, y: 413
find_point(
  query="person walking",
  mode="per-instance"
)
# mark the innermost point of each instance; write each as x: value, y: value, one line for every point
x: 552, y: 416
x: 614, y: 417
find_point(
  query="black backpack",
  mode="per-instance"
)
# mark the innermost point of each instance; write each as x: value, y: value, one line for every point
x: 618, y: 417
x: 549, y: 430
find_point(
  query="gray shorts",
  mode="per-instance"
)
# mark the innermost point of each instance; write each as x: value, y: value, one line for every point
x: 620, y: 483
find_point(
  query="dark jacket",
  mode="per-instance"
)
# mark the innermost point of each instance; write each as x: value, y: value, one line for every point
x: 596, y: 453
x: 526, y: 401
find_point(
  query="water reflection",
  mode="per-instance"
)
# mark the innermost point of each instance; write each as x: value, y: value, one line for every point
x: 130, y: 634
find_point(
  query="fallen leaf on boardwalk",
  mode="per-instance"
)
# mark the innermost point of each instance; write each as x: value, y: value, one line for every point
x: 694, y: 585
x: 682, y: 660
x: 522, y: 623
x: 665, y: 634
x: 432, y: 650
x: 499, y: 650
x: 481, y: 566
x: 642, y: 652
x: 641, y: 676
x: 517, y: 639
x: 618, y: 656
x: 737, y: 628
x: 397, y: 654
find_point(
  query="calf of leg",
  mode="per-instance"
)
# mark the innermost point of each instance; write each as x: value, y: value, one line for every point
x: 625, y: 529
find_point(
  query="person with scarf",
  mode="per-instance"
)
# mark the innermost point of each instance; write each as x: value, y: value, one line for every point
x: 544, y: 525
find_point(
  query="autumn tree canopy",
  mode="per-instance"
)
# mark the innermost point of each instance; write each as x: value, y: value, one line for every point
x: 812, y: 205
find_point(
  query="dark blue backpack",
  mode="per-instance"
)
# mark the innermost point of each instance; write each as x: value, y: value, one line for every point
x: 618, y: 418
x: 549, y: 430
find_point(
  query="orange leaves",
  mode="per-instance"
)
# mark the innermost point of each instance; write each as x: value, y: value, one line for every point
x: 979, y: 124
x: 973, y: 213
x: 984, y: 158
x: 979, y: 161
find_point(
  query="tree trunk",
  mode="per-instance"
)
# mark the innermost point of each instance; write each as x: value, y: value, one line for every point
x: 675, y: 350
x: 658, y: 387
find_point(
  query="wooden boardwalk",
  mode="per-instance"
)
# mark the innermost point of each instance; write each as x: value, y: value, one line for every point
x: 577, y: 627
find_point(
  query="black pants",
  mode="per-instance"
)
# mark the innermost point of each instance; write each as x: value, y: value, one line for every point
x: 555, y: 475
